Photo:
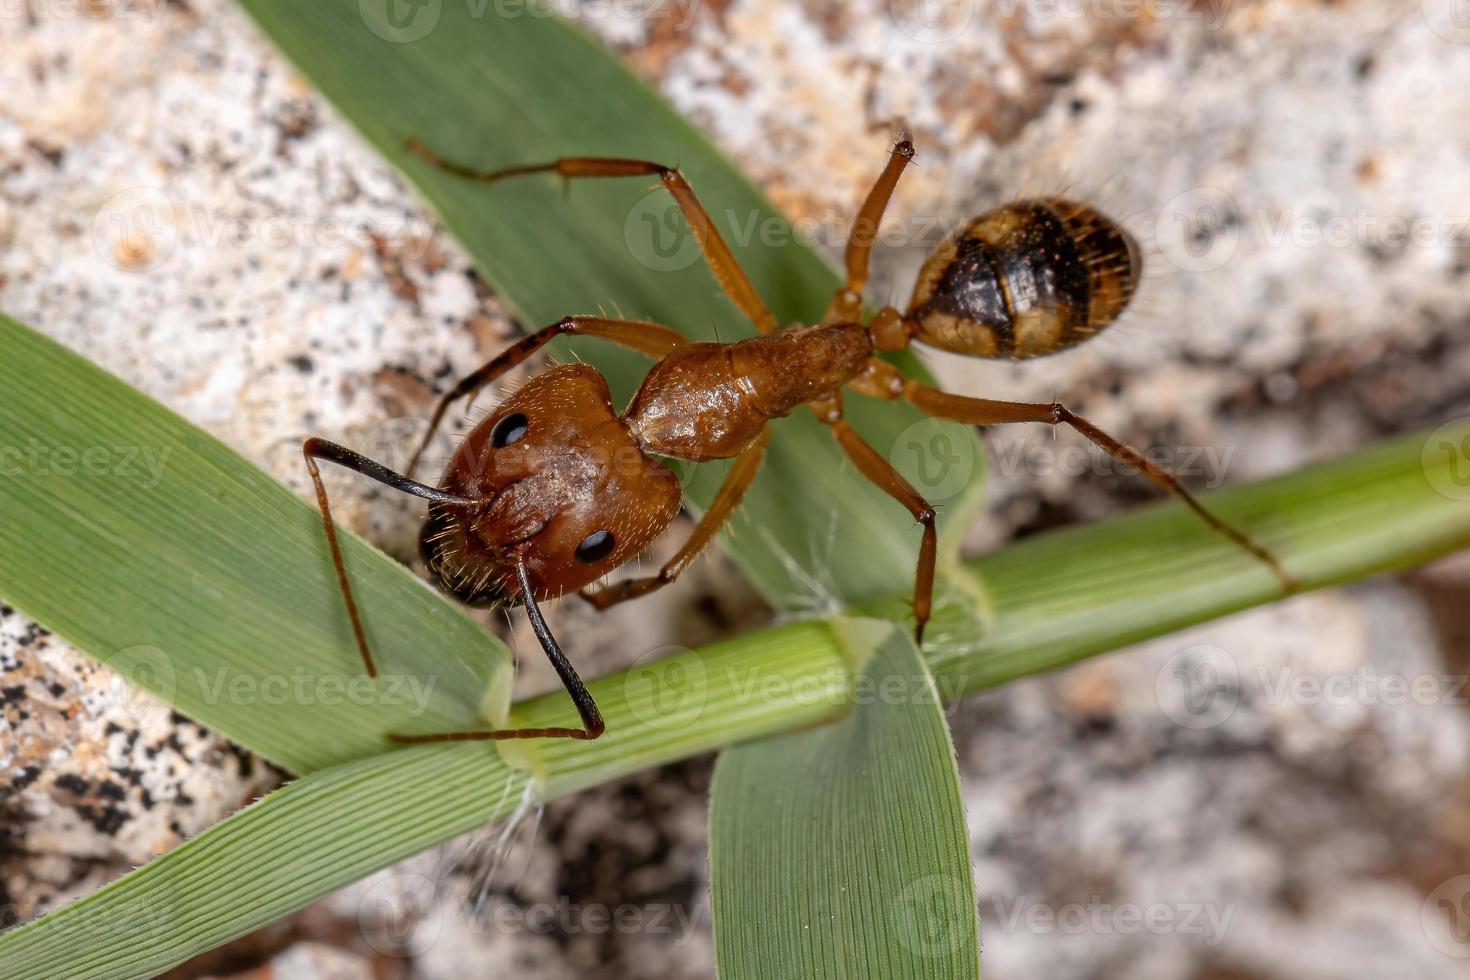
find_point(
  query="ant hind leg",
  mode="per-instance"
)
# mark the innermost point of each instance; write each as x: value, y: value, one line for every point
x: 982, y: 411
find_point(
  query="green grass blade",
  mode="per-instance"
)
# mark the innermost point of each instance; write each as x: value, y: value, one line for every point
x: 208, y: 582
x: 842, y: 852
x: 1387, y: 507
x: 1056, y: 598
x: 317, y: 834
x: 496, y: 91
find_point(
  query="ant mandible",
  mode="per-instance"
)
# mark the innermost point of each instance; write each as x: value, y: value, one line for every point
x: 534, y: 503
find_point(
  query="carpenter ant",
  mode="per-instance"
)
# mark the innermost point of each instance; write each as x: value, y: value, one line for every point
x: 555, y: 489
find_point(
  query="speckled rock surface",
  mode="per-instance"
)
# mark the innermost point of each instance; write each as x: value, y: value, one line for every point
x: 1298, y: 175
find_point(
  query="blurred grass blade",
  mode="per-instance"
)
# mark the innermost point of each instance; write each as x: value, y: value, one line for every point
x: 320, y: 833
x: 842, y: 852
x: 492, y: 91
x: 146, y: 543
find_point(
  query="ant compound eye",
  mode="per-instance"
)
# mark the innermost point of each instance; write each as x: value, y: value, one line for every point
x: 508, y: 430
x: 595, y: 547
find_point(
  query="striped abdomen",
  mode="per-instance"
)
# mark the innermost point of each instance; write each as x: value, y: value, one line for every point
x: 1026, y: 279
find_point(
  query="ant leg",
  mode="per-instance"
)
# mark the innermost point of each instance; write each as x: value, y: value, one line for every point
x: 652, y: 339
x: 737, y: 481
x: 717, y: 254
x: 314, y: 449
x: 890, y: 481
x: 847, y: 302
x: 981, y: 411
x: 592, y: 723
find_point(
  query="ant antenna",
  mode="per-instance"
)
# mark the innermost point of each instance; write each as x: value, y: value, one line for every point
x: 581, y: 697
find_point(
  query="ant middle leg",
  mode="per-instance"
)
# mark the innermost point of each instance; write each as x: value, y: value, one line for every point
x: 314, y: 449
x: 847, y: 302
x: 653, y: 339
x: 880, y: 381
x: 717, y: 254
x: 880, y: 472
x: 737, y: 481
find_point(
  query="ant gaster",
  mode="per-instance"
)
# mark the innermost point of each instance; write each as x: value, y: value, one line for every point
x: 555, y: 489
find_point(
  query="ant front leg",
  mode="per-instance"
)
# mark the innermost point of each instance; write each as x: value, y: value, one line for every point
x: 981, y: 411
x: 878, y: 470
x: 653, y: 339
x: 847, y: 302
x: 737, y: 481
x: 314, y: 449
x: 717, y: 254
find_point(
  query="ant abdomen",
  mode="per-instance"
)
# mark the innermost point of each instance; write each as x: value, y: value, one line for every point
x: 1026, y: 279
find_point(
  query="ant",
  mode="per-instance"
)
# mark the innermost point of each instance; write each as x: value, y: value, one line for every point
x: 555, y: 489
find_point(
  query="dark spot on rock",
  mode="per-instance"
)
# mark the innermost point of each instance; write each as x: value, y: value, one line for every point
x: 107, y: 819
x: 57, y: 688
x: 28, y: 775
x: 72, y: 782
x: 111, y: 790
x: 301, y: 363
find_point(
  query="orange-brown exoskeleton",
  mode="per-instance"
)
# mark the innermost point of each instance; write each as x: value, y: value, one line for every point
x: 555, y: 489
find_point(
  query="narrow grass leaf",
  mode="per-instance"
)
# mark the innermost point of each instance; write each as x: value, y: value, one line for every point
x: 206, y: 581
x: 841, y: 853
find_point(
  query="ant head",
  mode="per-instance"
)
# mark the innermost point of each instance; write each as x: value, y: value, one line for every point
x: 564, y: 488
